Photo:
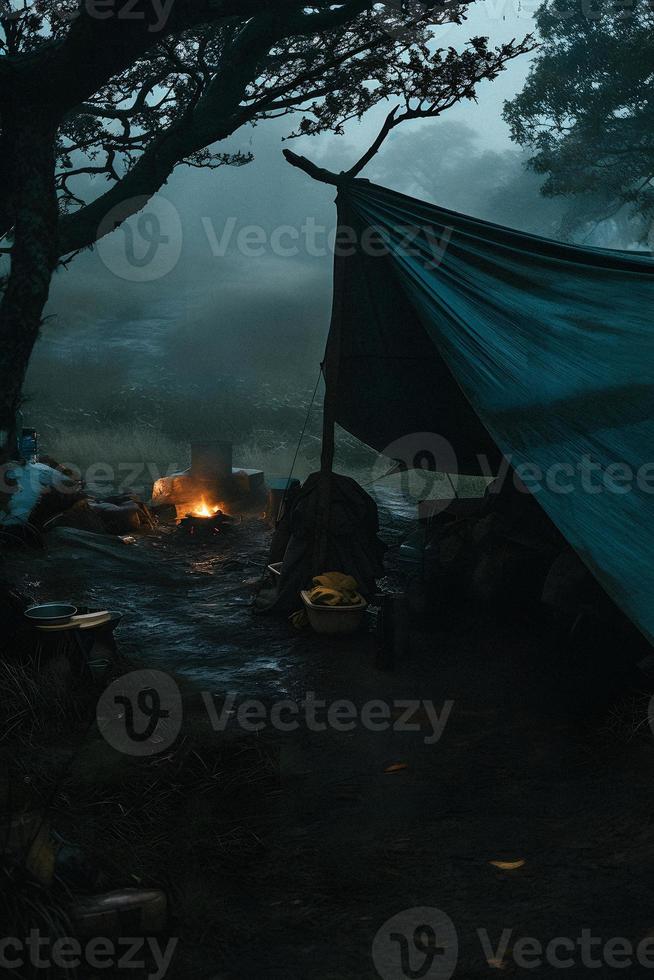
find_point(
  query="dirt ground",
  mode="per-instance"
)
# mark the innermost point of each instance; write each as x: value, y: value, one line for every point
x: 290, y: 860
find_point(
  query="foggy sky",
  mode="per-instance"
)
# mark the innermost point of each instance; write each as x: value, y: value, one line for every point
x: 262, y: 315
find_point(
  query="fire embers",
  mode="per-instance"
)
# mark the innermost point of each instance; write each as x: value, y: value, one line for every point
x: 205, y: 520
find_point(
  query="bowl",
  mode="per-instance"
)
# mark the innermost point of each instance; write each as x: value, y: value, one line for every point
x: 50, y: 613
x: 334, y: 619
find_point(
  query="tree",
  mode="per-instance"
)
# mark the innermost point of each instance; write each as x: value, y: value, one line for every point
x: 126, y: 90
x: 587, y: 109
x: 490, y: 184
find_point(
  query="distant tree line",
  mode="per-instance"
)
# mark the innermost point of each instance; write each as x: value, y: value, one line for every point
x: 586, y: 114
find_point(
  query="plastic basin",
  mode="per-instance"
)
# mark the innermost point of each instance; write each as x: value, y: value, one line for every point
x: 334, y: 619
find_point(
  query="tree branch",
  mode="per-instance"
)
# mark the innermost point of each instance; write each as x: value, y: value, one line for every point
x: 213, y: 118
x: 63, y: 73
x: 314, y: 171
x: 390, y: 123
x: 422, y: 111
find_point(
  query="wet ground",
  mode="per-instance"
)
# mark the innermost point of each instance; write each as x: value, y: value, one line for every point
x: 186, y: 603
x: 373, y: 822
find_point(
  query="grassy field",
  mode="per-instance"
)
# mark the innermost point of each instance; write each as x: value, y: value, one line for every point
x: 93, y: 415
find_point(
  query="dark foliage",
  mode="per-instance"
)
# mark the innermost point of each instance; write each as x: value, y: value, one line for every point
x: 587, y: 113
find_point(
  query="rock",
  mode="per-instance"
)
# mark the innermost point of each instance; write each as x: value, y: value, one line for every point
x: 118, y: 518
x: 115, y: 515
x: 80, y: 516
x: 179, y: 490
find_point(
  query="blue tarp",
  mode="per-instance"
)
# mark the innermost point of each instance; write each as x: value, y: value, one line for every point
x: 551, y: 345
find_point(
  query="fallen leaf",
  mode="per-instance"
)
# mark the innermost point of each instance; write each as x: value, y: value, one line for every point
x: 397, y: 767
x: 508, y: 865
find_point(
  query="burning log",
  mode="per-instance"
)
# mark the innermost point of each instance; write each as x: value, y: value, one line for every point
x: 205, y: 521
x: 204, y: 510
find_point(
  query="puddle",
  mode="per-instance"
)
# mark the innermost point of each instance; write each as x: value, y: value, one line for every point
x: 186, y: 604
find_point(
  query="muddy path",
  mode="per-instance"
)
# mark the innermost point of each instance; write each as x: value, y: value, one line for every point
x: 503, y: 807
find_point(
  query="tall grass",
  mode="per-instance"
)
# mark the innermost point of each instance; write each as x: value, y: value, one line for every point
x: 124, y: 432
x: 37, y: 704
x: 132, y: 457
x: 128, y: 444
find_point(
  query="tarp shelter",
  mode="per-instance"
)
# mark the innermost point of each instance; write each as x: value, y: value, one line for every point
x: 504, y: 343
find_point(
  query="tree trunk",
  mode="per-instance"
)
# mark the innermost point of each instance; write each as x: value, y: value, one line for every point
x: 33, y: 259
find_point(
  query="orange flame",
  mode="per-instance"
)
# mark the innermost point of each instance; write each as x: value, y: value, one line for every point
x: 203, y: 509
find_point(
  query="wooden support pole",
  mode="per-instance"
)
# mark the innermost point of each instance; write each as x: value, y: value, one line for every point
x: 331, y: 365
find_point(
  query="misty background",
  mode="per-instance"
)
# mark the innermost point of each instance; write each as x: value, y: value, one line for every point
x: 134, y: 362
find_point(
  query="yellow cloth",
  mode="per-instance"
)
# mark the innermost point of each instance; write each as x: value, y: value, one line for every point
x: 335, y: 589
x: 329, y: 589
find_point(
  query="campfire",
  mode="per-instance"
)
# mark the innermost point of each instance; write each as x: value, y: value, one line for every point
x: 211, y: 487
x: 205, y: 519
x: 204, y: 510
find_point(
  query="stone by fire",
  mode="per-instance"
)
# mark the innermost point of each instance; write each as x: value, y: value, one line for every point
x: 210, y: 484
